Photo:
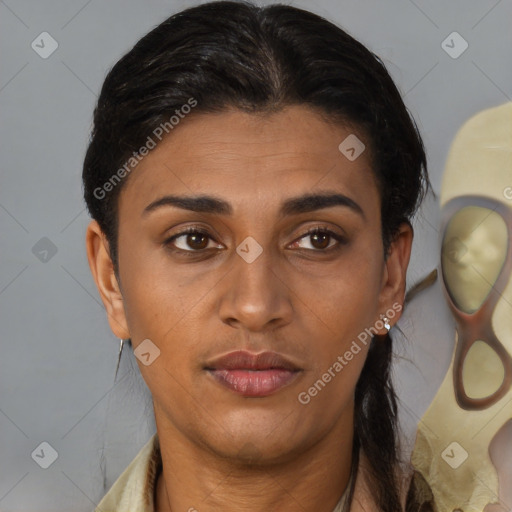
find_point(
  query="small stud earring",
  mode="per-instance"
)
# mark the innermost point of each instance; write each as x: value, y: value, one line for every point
x: 386, y: 323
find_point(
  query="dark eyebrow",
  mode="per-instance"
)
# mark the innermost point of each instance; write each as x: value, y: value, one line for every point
x: 302, y: 204
x: 311, y: 202
x: 202, y: 204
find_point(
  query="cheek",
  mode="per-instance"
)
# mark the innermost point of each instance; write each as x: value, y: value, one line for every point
x: 159, y: 295
x: 347, y: 306
x: 171, y: 306
x: 346, y: 299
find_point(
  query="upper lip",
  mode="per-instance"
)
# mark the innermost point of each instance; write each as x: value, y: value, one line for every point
x: 243, y: 360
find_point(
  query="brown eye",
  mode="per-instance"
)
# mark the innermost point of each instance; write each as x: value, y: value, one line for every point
x: 197, y: 241
x: 190, y: 240
x: 321, y: 240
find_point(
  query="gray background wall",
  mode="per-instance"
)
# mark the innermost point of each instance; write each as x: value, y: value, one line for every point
x: 58, y: 355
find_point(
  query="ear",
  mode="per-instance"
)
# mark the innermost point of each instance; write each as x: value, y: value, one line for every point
x: 392, y: 293
x: 102, y: 269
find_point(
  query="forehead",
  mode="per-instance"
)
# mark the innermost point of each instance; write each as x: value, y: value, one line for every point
x: 254, y: 156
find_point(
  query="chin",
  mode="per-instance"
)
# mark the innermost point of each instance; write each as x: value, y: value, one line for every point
x: 260, y: 443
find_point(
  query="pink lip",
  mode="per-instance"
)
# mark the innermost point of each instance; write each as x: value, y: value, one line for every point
x: 253, y: 375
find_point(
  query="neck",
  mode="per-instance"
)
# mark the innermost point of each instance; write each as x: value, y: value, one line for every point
x: 195, y: 479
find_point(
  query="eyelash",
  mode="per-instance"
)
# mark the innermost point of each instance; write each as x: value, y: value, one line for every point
x: 313, y: 231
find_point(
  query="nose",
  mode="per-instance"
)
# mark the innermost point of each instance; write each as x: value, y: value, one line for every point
x: 256, y: 296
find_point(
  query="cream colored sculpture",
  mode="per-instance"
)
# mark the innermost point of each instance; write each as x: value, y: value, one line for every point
x: 475, y: 398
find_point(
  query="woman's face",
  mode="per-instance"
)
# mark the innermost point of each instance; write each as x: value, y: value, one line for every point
x: 252, y: 279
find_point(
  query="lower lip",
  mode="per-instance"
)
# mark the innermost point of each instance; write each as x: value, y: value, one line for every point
x: 254, y: 382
